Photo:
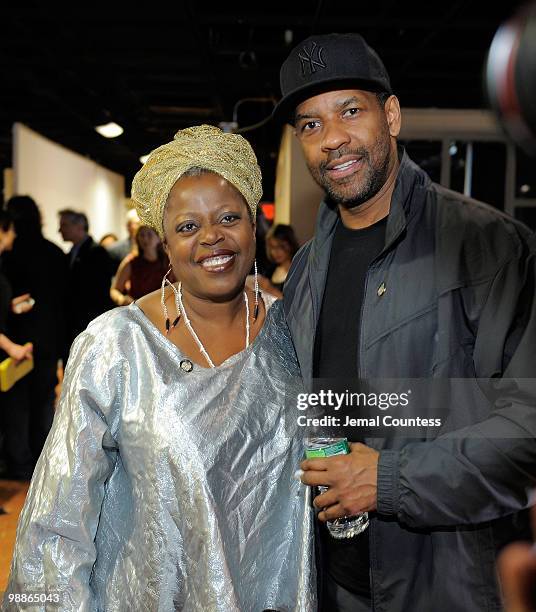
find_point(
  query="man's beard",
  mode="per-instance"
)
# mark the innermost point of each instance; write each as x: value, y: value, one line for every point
x: 374, y: 176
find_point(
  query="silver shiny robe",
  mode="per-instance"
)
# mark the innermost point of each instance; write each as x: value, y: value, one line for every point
x: 161, y: 489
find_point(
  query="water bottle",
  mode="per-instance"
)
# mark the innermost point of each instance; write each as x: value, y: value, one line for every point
x: 347, y: 526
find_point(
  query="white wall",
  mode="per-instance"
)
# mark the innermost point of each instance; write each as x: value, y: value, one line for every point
x: 57, y: 178
x: 297, y: 196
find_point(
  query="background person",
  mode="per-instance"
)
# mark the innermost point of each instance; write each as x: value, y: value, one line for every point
x: 88, y: 276
x: 108, y: 240
x: 140, y: 274
x: 15, y: 462
x: 517, y: 568
x: 122, y: 248
x: 7, y: 346
x: 35, y: 267
x: 281, y: 246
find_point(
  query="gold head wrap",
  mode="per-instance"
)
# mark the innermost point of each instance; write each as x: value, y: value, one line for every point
x: 203, y: 146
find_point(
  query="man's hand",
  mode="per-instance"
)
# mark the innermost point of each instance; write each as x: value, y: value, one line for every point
x: 517, y: 569
x: 352, y: 480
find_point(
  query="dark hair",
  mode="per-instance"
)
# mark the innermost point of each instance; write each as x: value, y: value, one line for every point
x: 78, y: 218
x: 382, y: 97
x: 286, y: 234
x: 6, y: 220
x: 110, y: 235
x: 26, y: 215
x: 159, y: 249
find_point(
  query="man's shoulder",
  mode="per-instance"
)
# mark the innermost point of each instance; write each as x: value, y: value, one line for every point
x: 474, y: 240
x: 95, y: 249
x: 462, y: 217
x: 297, y: 272
x: 462, y: 209
x: 303, y: 253
x: 52, y: 249
x: 299, y: 262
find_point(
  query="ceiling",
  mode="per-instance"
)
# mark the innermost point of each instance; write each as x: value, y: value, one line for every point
x: 156, y: 71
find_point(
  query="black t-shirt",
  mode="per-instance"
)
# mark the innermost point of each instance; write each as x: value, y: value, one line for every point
x: 336, y: 356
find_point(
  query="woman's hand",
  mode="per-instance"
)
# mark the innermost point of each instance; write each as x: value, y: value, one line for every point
x: 19, y: 352
x: 22, y: 303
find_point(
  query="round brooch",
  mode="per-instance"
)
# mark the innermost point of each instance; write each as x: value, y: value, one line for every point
x: 186, y: 365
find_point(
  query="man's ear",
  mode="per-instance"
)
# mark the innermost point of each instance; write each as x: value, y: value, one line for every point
x: 393, y: 115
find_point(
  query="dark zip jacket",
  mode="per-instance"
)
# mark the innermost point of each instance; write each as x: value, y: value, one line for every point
x: 451, y: 296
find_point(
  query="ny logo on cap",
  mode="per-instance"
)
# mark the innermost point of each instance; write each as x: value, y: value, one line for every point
x: 308, y: 60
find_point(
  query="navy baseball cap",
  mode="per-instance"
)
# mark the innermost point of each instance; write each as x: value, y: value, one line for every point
x: 327, y: 62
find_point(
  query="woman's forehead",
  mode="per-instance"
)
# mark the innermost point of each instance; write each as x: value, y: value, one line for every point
x: 207, y: 189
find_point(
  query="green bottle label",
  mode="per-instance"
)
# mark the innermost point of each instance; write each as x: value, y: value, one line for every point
x: 337, y: 448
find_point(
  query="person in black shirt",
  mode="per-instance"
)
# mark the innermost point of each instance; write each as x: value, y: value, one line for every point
x: 407, y: 280
x: 88, y: 277
x: 15, y: 457
x: 35, y: 266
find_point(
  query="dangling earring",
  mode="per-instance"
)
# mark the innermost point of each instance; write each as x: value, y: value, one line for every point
x: 256, y: 282
x: 165, y: 281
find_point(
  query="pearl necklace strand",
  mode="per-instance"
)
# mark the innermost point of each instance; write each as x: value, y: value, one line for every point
x: 180, y: 308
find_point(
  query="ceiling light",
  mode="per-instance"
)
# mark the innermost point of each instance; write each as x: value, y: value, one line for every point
x: 109, y: 130
x: 144, y: 158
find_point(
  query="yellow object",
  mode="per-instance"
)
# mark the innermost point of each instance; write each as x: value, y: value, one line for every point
x: 11, y: 371
x: 202, y: 146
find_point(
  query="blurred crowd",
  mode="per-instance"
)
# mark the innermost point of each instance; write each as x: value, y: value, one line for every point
x: 48, y: 297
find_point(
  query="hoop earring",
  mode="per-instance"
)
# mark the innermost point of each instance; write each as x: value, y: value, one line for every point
x: 256, y: 283
x: 165, y: 281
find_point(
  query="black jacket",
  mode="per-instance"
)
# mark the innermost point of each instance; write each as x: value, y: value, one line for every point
x: 459, y: 303
x: 37, y: 266
x: 88, y: 288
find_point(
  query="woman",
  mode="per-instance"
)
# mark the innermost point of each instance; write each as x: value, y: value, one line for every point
x: 167, y: 481
x: 18, y: 305
x: 108, y: 240
x: 140, y: 274
x: 281, y: 246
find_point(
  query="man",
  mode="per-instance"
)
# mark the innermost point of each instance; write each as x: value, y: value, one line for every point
x: 122, y: 248
x: 34, y: 267
x: 88, y: 278
x: 405, y: 279
x: 517, y: 567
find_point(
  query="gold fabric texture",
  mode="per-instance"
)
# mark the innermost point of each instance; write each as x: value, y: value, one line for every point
x: 203, y: 146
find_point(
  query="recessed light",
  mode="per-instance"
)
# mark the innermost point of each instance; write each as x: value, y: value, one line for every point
x: 109, y: 130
